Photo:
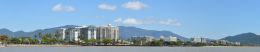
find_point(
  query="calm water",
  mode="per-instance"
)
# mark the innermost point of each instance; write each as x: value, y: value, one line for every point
x: 130, y: 49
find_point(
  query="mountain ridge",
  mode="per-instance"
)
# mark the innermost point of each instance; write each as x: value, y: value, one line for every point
x: 124, y: 32
x: 129, y: 31
x: 245, y: 38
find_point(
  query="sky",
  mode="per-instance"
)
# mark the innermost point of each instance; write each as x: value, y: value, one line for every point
x: 189, y: 18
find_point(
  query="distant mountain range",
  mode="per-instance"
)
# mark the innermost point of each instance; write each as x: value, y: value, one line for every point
x: 245, y: 39
x: 125, y: 32
x: 31, y: 34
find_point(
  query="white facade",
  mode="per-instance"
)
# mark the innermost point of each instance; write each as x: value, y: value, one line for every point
x: 76, y: 36
x: 90, y: 32
x: 199, y: 40
x: 173, y: 38
x: 107, y: 32
x: 141, y: 40
x: 63, y: 33
x: 162, y: 37
x: 95, y: 35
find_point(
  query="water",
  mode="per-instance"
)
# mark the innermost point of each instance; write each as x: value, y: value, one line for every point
x: 130, y: 49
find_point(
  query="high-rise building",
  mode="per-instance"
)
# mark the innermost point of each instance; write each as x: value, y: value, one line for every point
x: 62, y: 33
x: 71, y: 34
x: 90, y: 32
x: 108, y: 32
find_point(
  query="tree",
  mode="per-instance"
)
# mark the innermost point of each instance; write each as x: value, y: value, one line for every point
x: 34, y: 41
x: 14, y: 40
x: 86, y: 41
x: 50, y: 39
x: 156, y: 43
x: 106, y: 41
x: 188, y: 43
x: 161, y: 40
x: 47, y: 39
x: 92, y: 41
x: 27, y: 40
x: 199, y: 44
x: 3, y: 38
x: 176, y: 43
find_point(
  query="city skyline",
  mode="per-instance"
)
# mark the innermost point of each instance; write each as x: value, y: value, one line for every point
x: 211, y: 19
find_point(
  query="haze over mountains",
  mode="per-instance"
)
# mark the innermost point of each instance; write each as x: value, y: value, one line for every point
x: 125, y: 32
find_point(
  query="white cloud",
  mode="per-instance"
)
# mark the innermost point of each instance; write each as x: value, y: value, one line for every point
x: 170, y: 22
x: 107, y: 7
x: 69, y: 8
x: 57, y: 8
x: 63, y: 8
x: 128, y: 21
x: 150, y: 21
x: 134, y: 5
x: 118, y: 20
x: 131, y: 21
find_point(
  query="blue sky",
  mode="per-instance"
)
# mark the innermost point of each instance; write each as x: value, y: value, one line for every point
x: 189, y: 18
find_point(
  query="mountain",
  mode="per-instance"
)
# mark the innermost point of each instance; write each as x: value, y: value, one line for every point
x: 12, y: 34
x: 51, y: 30
x: 245, y: 38
x: 125, y: 32
x: 31, y: 34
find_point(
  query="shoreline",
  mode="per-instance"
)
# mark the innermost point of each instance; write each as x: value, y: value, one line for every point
x: 58, y: 45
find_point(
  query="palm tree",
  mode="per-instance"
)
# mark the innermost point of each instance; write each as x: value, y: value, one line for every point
x: 14, y: 40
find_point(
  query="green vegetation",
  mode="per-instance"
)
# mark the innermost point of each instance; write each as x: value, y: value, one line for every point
x: 37, y: 39
x: 107, y: 41
x: 3, y: 38
x: 55, y: 39
x: 157, y: 42
x: 175, y: 43
x: 50, y: 39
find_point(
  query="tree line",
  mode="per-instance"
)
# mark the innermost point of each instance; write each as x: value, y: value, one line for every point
x: 50, y: 39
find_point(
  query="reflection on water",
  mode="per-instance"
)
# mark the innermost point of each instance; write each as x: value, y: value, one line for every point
x: 130, y: 49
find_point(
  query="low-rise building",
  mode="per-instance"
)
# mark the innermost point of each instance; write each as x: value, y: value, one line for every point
x: 227, y: 43
x: 141, y: 40
x: 173, y: 38
x: 199, y: 40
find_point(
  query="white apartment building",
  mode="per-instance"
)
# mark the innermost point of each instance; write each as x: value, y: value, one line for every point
x: 90, y: 32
